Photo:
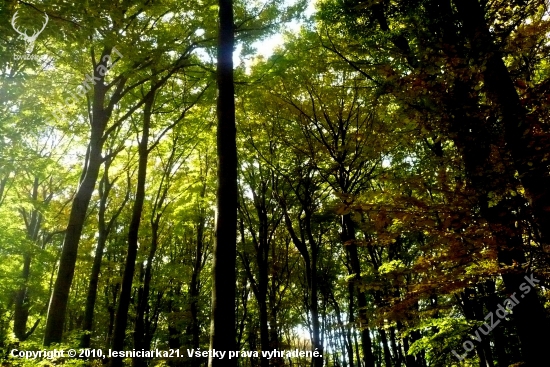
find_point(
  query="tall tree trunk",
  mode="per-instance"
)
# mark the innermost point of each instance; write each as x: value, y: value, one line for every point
x: 310, y: 263
x: 103, y: 231
x: 386, y: 347
x: 314, y: 307
x: 345, y: 333
x: 111, y: 310
x: 470, y: 307
x: 79, y: 208
x: 195, y: 286
x: 174, y: 332
x: 222, y: 327
x: 348, y: 238
x: 261, y: 239
x: 133, y: 231
x: 262, y: 252
x: 96, y: 267
x: 141, y: 334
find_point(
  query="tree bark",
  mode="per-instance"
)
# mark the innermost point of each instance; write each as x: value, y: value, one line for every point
x: 222, y: 327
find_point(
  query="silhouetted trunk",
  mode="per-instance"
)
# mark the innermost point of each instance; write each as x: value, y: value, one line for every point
x: 385, y: 347
x: 498, y: 332
x: 262, y: 252
x: 345, y: 332
x: 348, y: 238
x: 133, y: 231
x: 222, y: 328
x: 261, y: 235
x: 471, y: 308
x: 60, y: 295
x: 396, y: 348
x: 195, y: 287
x: 141, y: 332
x: 314, y: 304
x: 94, y: 276
x: 111, y: 310
x: 310, y: 264
x: 103, y: 231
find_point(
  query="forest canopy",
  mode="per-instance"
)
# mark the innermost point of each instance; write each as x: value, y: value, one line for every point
x: 179, y: 188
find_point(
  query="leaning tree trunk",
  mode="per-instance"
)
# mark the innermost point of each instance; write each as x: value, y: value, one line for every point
x: 222, y: 327
x: 79, y: 208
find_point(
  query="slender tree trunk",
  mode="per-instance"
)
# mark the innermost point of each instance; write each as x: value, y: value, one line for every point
x: 111, y: 310
x: 222, y: 328
x: 310, y: 262
x: 140, y: 331
x: 103, y: 231
x: 60, y: 295
x: 262, y: 252
x: 468, y: 302
x: 396, y: 348
x: 351, y: 323
x: 92, y: 289
x: 314, y: 309
x: 195, y: 286
x: 345, y: 335
x: 348, y: 237
x: 498, y: 333
x: 133, y: 231
x: 261, y: 241
x: 174, y: 332
x: 386, y: 347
